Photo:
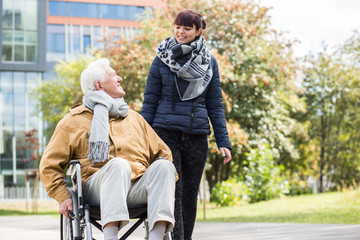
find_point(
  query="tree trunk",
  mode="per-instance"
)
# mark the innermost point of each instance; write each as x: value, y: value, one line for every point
x: 322, y: 153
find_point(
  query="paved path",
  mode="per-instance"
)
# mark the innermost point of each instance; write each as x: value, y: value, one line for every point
x: 47, y: 227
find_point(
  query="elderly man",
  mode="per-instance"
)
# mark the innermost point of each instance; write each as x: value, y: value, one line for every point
x: 123, y: 161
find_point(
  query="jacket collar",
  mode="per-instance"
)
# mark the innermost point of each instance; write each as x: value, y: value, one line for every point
x: 78, y: 109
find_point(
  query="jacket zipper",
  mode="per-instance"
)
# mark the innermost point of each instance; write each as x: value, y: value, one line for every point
x: 192, y: 116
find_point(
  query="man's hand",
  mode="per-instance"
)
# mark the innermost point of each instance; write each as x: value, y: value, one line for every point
x: 67, y: 204
x: 225, y: 153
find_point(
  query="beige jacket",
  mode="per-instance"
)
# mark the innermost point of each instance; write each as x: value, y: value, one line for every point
x: 130, y: 138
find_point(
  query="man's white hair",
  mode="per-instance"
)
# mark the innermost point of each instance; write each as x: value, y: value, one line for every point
x: 94, y: 72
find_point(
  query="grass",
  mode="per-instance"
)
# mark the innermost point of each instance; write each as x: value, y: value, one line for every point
x: 337, y: 208
x: 20, y: 208
x: 5, y: 212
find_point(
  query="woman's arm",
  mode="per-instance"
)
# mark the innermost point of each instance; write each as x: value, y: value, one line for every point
x: 214, y: 105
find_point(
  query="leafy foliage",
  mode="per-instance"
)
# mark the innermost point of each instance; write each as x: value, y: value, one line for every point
x: 332, y: 96
x: 263, y: 181
x: 216, y: 171
x: 263, y: 177
x: 229, y: 193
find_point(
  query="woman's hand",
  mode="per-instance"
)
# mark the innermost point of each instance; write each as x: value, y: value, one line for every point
x: 225, y: 153
x: 66, y: 205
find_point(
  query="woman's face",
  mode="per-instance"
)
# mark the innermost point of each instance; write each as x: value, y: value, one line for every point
x: 186, y: 34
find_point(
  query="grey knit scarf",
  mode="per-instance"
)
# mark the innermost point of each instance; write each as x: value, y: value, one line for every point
x: 102, y: 106
x: 190, y: 63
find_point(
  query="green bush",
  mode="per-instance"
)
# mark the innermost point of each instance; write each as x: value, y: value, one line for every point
x: 299, y: 187
x: 262, y: 181
x: 263, y: 176
x: 229, y: 193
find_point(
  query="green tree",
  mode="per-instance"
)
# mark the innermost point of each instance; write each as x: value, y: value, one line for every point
x: 332, y: 96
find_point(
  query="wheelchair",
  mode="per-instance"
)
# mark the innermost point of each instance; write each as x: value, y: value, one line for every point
x: 79, y: 224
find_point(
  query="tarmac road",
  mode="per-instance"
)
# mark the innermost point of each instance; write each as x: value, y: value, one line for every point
x: 47, y: 227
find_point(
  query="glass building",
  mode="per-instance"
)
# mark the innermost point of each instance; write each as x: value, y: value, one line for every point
x: 35, y: 34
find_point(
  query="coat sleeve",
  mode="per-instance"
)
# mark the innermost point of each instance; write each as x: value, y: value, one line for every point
x: 215, y: 108
x: 152, y: 92
x: 52, y: 165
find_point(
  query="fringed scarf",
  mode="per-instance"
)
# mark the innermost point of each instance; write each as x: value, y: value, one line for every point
x: 190, y: 63
x: 102, y: 106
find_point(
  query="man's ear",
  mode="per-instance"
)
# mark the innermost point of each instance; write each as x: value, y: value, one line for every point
x: 97, y: 85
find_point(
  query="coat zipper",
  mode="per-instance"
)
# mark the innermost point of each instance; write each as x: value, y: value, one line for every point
x: 192, y: 115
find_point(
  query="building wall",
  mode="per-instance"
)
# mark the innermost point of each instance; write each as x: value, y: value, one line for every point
x: 75, y: 26
x: 51, y: 19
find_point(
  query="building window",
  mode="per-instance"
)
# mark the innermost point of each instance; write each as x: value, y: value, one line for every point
x: 57, y: 8
x: 18, y: 114
x: 74, y: 9
x: 75, y: 36
x: 86, y: 42
x: 55, y: 42
x: 19, y: 31
x: 94, y: 10
x: 134, y: 12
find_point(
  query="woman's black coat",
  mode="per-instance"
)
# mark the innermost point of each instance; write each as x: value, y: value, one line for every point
x: 163, y: 108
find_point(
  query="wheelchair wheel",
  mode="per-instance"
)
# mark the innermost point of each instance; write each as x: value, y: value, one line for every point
x: 66, y: 228
x: 168, y: 236
x: 69, y: 227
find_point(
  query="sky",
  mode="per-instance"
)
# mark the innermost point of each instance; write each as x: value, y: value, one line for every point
x: 314, y: 22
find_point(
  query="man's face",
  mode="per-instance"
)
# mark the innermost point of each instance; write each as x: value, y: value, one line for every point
x: 111, y: 84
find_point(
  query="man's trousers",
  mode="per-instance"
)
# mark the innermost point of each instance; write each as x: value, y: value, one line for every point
x: 112, y: 189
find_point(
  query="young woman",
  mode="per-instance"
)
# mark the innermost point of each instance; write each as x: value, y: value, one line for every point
x: 182, y: 93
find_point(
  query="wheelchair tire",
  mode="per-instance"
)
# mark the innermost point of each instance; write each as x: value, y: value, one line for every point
x: 66, y: 228
x: 70, y: 228
x: 168, y: 236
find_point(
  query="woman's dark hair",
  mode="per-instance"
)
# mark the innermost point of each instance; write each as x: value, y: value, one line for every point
x: 190, y: 17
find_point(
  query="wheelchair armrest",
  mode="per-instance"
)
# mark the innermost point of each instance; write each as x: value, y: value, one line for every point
x: 74, y: 161
x: 72, y: 167
x: 74, y: 171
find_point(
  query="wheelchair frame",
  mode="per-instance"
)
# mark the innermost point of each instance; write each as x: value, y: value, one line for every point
x: 79, y: 224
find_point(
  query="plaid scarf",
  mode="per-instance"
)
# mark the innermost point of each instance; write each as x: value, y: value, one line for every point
x: 190, y: 63
x: 102, y: 106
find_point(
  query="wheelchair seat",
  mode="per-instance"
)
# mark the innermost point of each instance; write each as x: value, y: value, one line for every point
x: 134, y: 212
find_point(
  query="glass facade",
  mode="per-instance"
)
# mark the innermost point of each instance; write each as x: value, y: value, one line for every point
x: 18, y: 114
x: 69, y: 41
x: 55, y: 42
x: 94, y: 10
x: 19, y: 31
